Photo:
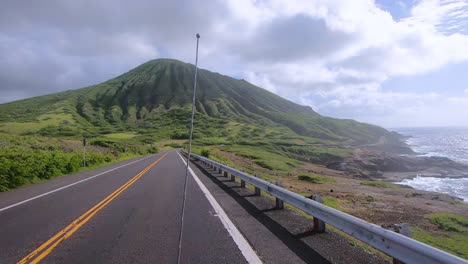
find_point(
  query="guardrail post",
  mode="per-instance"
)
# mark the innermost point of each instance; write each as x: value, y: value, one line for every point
x: 319, y: 225
x: 225, y: 174
x: 258, y: 192
x: 220, y: 171
x: 242, y: 184
x: 403, y: 229
x: 407, y: 249
x: 233, y: 178
x: 279, y: 203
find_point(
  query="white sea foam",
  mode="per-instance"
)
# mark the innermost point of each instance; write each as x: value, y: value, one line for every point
x: 457, y: 187
x: 448, y: 142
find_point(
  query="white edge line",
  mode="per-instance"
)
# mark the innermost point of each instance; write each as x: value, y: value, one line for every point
x: 69, y: 185
x: 244, y: 246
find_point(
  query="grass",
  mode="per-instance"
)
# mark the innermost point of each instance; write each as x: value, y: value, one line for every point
x: 149, y: 106
x: 449, y: 222
x: 43, y: 121
x: 331, y: 202
x: 126, y: 135
x: 379, y: 184
x: 232, y: 115
x: 453, y: 243
x: 214, y: 155
x: 315, y: 178
x: 451, y: 234
x: 168, y: 144
x: 266, y: 159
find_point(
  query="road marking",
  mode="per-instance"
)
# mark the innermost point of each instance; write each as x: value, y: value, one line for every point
x: 65, y: 233
x: 69, y: 185
x: 244, y: 246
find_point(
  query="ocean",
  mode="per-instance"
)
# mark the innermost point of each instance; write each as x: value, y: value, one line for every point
x: 447, y: 142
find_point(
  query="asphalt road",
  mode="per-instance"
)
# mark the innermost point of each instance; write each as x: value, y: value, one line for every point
x: 126, y: 217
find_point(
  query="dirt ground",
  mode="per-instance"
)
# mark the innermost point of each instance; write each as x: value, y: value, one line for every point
x: 379, y: 205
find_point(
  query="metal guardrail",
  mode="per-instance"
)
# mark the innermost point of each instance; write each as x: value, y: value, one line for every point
x: 393, y: 244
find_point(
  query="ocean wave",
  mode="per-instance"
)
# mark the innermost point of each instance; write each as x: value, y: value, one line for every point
x: 442, y: 142
x: 457, y: 187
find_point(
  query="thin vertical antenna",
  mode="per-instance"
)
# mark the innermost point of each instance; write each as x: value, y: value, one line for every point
x: 193, y: 106
x: 181, y: 230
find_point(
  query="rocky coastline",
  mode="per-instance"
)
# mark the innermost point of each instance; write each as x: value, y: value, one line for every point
x: 395, y: 162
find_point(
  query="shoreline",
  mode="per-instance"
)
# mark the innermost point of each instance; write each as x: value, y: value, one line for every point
x: 408, y: 166
x: 400, y: 176
x: 420, y: 184
x: 410, y: 179
x: 366, y: 196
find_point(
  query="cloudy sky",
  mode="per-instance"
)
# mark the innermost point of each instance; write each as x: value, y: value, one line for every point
x: 387, y: 62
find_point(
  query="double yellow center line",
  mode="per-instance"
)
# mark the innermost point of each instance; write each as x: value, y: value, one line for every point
x: 45, y: 249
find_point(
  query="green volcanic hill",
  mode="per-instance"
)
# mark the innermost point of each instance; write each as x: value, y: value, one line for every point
x: 152, y: 103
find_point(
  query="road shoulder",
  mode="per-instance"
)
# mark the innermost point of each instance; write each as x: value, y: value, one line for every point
x: 270, y: 231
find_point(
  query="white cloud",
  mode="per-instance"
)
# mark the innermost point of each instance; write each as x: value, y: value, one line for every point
x: 260, y: 80
x: 445, y: 15
x: 330, y: 54
x: 346, y: 79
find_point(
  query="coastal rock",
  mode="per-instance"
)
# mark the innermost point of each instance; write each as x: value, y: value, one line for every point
x: 370, y: 164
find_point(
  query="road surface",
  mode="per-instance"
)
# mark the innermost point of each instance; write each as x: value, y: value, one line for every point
x: 130, y: 214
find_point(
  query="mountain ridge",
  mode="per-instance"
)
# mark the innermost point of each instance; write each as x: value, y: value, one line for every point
x: 162, y: 84
x: 152, y: 103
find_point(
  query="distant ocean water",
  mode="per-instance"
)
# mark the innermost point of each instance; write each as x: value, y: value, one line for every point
x: 439, y: 142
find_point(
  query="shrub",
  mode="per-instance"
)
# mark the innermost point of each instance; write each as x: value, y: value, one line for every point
x: 23, y: 165
x: 3, y: 183
x: 205, y: 153
x: 315, y: 178
x: 180, y: 135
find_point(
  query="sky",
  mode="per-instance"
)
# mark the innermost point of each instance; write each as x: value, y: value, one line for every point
x: 387, y: 62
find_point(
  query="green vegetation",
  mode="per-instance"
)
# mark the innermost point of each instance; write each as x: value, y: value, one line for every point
x: 272, y: 160
x: 121, y: 135
x: 205, y: 153
x: 42, y: 122
x: 454, y: 243
x: 451, y: 234
x: 315, y: 178
x: 26, y: 159
x: 331, y: 202
x: 379, y: 184
x: 149, y: 107
x: 214, y: 155
x: 152, y: 102
x: 449, y: 222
